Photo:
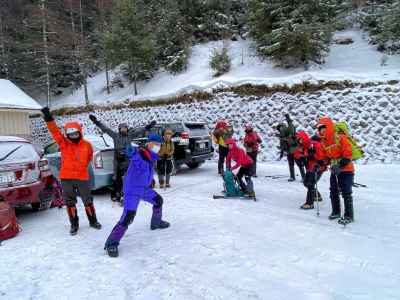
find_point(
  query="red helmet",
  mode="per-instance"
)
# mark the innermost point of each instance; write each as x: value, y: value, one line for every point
x: 221, y: 124
x: 230, y: 141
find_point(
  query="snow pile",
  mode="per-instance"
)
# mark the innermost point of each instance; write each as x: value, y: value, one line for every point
x: 358, y: 62
x: 13, y: 97
x: 373, y: 114
x: 217, y: 249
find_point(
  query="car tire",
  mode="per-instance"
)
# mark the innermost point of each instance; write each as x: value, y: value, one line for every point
x: 35, y: 206
x: 193, y: 165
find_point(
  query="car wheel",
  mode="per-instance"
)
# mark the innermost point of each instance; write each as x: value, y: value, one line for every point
x: 35, y: 206
x: 193, y: 165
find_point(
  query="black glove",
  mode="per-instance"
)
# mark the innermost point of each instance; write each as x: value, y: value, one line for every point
x: 150, y: 125
x: 336, y: 170
x: 47, y: 114
x: 93, y: 118
x: 343, y: 162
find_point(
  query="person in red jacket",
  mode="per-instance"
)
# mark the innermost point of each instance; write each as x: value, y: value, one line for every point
x: 311, y: 152
x: 252, y: 143
x: 338, y: 151
x: 76, y: 155
x: 244, y: 162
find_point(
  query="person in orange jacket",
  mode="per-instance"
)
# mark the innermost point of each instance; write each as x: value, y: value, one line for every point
x: 76, y: 155
x: 337, y: 149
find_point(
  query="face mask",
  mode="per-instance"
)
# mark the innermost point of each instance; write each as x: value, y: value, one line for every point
x: 156, y: 148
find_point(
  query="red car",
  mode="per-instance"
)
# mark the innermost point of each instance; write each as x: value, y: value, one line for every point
x: 25, y: 177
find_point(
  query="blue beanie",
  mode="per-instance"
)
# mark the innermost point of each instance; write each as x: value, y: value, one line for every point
x: 155, y: 138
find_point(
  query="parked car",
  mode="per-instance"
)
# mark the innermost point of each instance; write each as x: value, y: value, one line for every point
x: 25, y: 177
x: 193, y: 144
x: 101, y: 169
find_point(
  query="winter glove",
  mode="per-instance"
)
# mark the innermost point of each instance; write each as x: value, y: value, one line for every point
x: 93, y: 118
x: 47, y: 114
x: 153, y: 183
x: 150, y: 125
x: 344, y: 162
x: 336, y: 170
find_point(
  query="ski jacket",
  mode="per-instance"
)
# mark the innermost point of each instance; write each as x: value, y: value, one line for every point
x: 75, y: 157
x: 140, y: 171
x: 252, y: 142
x: 239, y: 156
x: 221, y: 134
x: 287, y: 137
x: 167, y: 150
x: 336, y: 146
x: 302, y: 147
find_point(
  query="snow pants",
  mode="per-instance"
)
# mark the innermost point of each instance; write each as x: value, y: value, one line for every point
x: 223, y: 153
x: 119, y: 173
x: 247, y: 187
x: 253, y: 156
x: 300, y: 165
x: 131, y: 202
x: 72, y: 188
x: 310, y: 181
x: 164, y: 170
x: 342, y: 184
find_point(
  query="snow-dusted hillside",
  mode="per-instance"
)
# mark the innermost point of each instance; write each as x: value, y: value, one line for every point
x: 358, y: 62
x: 217, y: 249
x: 372, y: 112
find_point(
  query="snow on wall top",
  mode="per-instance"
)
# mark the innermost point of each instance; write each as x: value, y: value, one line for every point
x: 12, y: 97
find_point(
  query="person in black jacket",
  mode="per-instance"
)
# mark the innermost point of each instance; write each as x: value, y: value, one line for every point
x: 122, y: 138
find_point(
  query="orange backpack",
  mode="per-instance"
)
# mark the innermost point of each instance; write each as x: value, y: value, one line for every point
x: 8, y: 221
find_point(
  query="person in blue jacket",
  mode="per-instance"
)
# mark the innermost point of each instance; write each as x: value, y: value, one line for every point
x: 138, y: 185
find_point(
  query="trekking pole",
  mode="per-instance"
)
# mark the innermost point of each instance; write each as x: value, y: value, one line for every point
x: 316, y: 192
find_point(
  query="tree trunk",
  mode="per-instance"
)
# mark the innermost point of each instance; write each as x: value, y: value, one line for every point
x: 108, y: 79
x: 45, y: 48
x: 82, y: 58
x: 3, y: 62
x: 135, y: 84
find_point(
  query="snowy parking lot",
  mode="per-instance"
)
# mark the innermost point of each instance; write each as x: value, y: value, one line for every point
x: 217, y: 249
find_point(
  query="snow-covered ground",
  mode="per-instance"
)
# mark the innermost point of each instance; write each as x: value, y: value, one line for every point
x: 358, y: 62
x: 217, y: 249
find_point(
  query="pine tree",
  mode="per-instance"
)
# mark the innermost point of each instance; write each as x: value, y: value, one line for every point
x: 293, y: 32
x: 130, y: 41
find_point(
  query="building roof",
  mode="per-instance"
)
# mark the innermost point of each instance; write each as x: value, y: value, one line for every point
x: 12, y: 97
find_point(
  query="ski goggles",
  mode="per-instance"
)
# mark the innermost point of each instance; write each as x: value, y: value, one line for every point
x: 71, y: 131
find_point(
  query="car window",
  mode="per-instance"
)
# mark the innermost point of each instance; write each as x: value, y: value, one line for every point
x: 52, y: 148
x: 16, y: 152
x: 175, y: 127
x: 197, y: 129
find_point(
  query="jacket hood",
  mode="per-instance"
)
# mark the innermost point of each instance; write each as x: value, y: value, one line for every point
x: 231, y: 141
x: 329, y: 136
x: 75, y: 125
x: 304, y: 136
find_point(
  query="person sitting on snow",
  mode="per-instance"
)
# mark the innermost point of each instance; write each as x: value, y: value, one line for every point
x: 311, y: 151
x: 164, y: 164
x: 245, y: 163
x: 138, y: 186
x: 76, y: 155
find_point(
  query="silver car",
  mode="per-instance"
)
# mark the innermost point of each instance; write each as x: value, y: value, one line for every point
x: 101, y: 168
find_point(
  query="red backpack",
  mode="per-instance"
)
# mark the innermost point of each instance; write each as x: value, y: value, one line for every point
x: 8, y: 221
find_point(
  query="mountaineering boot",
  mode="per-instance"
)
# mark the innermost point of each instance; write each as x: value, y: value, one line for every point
x: 334, y: 216
x: 156, y: 219
x: 73, y: 219
x: 309, y: 201
x: 348, y: 207
x: 91, y: 215
x: 112, y: 250
x: 291, y: 179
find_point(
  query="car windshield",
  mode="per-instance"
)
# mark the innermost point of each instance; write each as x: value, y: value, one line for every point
x: 17, y: 152
x: 197, y: 128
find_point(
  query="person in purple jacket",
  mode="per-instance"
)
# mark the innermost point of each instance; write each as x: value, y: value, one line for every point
x: 138, y: 185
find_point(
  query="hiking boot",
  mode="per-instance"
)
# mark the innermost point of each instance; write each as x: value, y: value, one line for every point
x: 112, y: 250
x: 334, y: 216
x: 251, y: 194
x: 167, y: 185
x: 74, y: 228
x: 345, y: 221
x: 291, y: 179
x: 91, y: 215
x: 158, y: 224
x: 114, y: 199
x: 306, y: 206
x: 73, y: 219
